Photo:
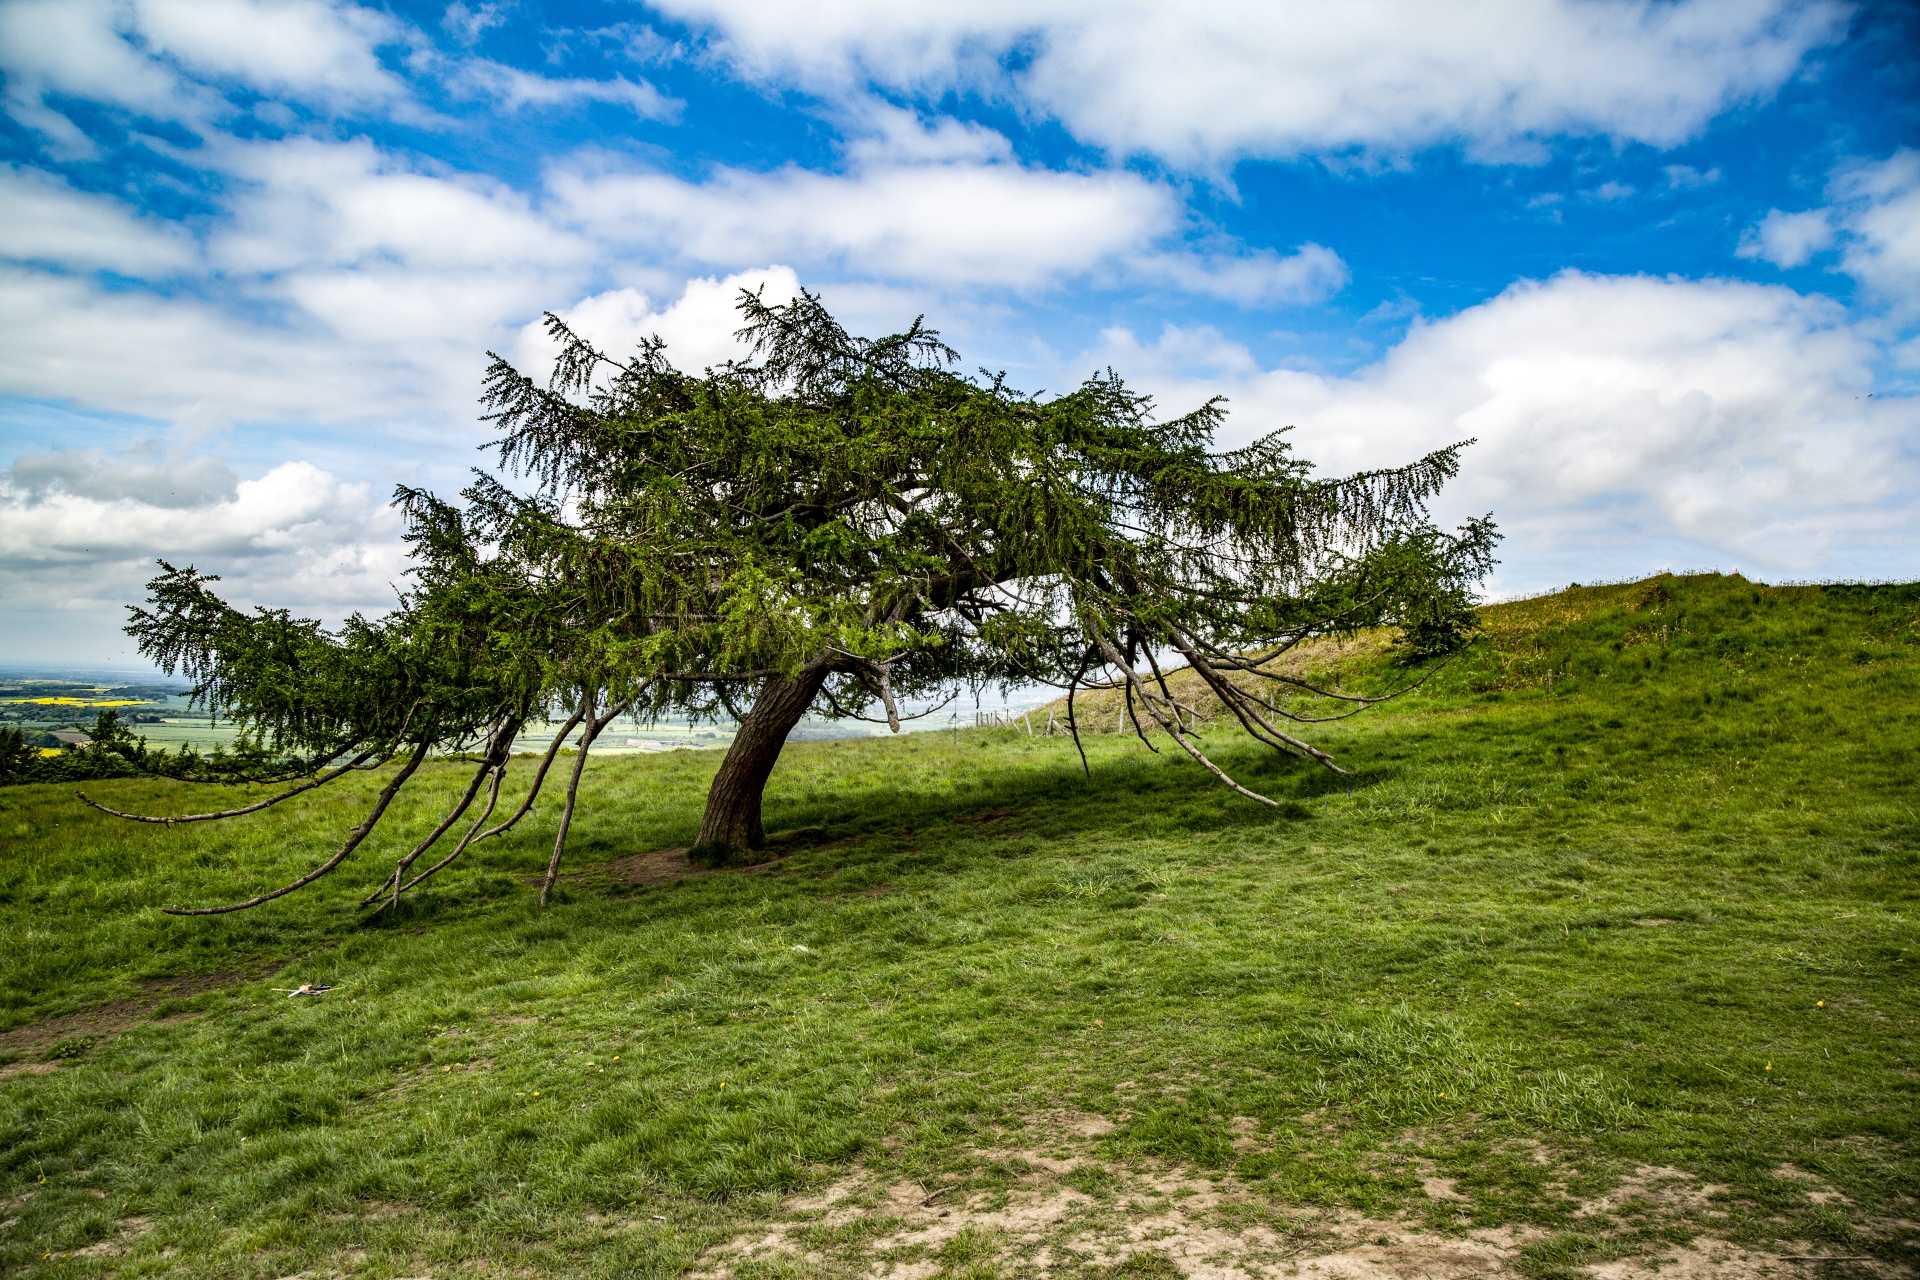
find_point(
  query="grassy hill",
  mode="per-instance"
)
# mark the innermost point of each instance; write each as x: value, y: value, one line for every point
x: 1608, y: 953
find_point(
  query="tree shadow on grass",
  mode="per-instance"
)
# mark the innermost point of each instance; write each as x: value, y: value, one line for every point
x: 1007, y: 808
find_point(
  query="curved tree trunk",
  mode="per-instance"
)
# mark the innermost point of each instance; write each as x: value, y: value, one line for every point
x: 731, y: 826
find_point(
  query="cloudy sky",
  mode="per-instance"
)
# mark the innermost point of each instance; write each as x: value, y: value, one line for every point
x: 1661, y: 259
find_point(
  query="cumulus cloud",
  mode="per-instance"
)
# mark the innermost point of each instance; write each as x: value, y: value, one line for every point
x: 79, y: 534
x: 949, y: 222
x: 173, y: 59
x: 343, y: 283
x: 1880, y: 205
x: 306, y: 50
x: 1616, y: 418
x: 42, y: 219
x: 1874, y: 220
x: 1205, y: 83
x: 698, y: 327
x: 939, y: 203
x: 1788, y: 239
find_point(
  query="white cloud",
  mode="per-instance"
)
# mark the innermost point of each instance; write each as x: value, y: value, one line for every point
x: 1874, y: 219
x: 42, y: 219
x: 1684, y: 177
x: 306, y: 50
x: 1263, y: 278
x: 1788, y: 239
x: 952, y: 223
x: 469, y: 24
x: 1615, y: 416
x: 79, y: 49
x: 342, y: 285
x: 172, y: 59
x: 697, y: 328
x: 79, y: 535
x: 1881, y: 208
x: 936, y: 203
x: 1204, y: 83
x: 516, y: 90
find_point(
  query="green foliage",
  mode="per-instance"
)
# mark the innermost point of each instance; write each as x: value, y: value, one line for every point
x: 1685, y: 940
x: 835, y: 518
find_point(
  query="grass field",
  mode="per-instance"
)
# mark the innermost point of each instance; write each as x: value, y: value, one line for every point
x: 1607, y: 956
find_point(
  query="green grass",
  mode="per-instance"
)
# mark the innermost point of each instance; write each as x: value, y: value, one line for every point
x: 1657, y: 911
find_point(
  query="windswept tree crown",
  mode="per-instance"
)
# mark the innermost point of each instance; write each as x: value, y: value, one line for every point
x: 839, y: 521
x: 857, y: 502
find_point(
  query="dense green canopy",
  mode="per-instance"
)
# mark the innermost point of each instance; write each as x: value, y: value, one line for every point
x: 833, y: 522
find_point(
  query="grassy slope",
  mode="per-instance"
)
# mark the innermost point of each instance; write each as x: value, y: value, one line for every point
x: 1453, y: 956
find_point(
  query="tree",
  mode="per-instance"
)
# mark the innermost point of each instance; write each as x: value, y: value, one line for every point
x: 833, y: 522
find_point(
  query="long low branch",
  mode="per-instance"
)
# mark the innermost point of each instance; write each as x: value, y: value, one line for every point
x: 256, y: 807
x: 493, y: 798
x: 1113, y: 656
x: 594, y: 725
x: 498, y: 743
x: 539, y: 777
x: 358, y: 834
x: 1238, y: 701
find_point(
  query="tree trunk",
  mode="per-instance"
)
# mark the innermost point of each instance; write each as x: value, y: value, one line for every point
x: 731, y: 827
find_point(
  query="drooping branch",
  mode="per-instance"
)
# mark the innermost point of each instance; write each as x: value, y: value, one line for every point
x: 499, y: 743
x: 1242, y: 704
x: 255, y: 807
x: 592, y: 731
x: 353, y: 840
x: 493, y: 798
x: 1115, y: 659
x: 539, y: 778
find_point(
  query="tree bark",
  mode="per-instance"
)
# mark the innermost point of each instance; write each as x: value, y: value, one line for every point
x: 731, y: 826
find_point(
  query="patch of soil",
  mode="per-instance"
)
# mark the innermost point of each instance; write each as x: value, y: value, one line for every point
x: 107, y: 1019
x: 1067, y: 1213
x: 662, y: 866
x: 989, y: 815
x: 666, y: 866
x: 127, y: 1230
x: 1653, y: 1188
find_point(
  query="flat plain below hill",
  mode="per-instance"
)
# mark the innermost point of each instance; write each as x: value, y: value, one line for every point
x: 1605, y: 961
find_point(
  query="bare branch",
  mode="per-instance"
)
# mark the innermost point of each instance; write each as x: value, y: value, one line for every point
x: 539, y: 778
x: 358, y: 834
x: 594, y: 726
x: 1113, y: 657
x: 256, y: 807
x: 493, y: 798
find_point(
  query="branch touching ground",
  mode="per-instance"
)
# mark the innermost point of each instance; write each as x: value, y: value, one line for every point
x: 1134, y: 681
x: 359, y: 834
x: 493, y: 798
x: 539, y: 778
x: 255, y: 807
x: 592, y: 731
x: 498, y: 743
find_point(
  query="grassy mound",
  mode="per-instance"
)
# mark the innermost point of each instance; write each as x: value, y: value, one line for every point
x: 1630, y: 887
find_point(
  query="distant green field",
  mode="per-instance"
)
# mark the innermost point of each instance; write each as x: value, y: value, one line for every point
x: 1609, y: 951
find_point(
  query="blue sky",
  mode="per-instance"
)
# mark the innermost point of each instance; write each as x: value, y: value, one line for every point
x: 1662, y: 260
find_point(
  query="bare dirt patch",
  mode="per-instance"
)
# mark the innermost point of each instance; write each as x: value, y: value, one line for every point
x: 665, y: 866
x: 1653, y: 1188
x: 662, y: 866
x: 986, y: 815
x: 106, y: 1020
x: 1052, y: 1205
x: 126, y: 1231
